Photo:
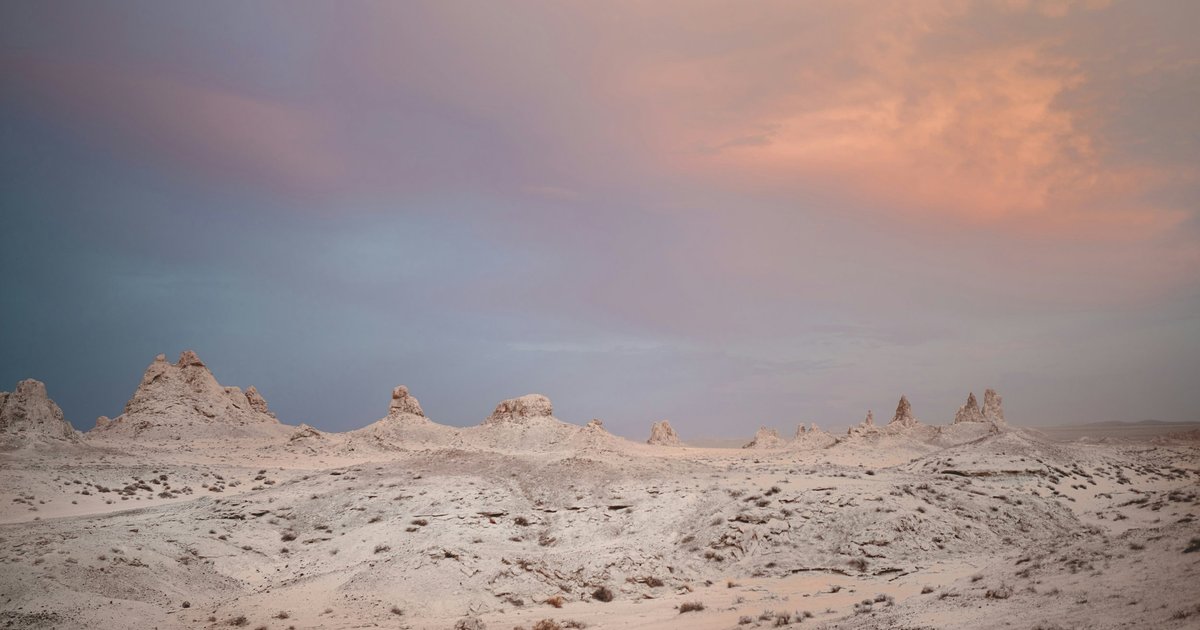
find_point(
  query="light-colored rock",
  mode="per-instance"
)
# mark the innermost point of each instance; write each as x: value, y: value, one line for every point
x: 102, y: 422
x: 28, y: 414
x: 304, y: 432
x: 596, y: 424
x: 903, y: 417
x: 526, y: 407
x: 257, y: 402
x: 969, y: 412
x: 184, y: 401
x: 404, y: 403
x: 765, y: 437
x: 661, y: 434
x: 993, y: 407
x: 864, y: 427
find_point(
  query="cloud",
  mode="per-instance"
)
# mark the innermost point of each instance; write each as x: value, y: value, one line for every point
x: 198, y: 128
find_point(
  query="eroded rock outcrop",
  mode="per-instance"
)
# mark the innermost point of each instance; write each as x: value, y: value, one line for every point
x: 993, y: 408
x: 765, y: 437
x: 661, y: 434
x: 864, y: 427
x: 903, y: 417
x: 404, y: 403
x: 28, y: 414
x: 183, y: 400
x: 304, y: 432
x: 527, y: 407
x: 969, y: 412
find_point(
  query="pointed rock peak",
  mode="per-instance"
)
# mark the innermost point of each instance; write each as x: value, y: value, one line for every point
x: 969, y: 412
x: 813, y: 428
x: 993, y: 406
x: 662, y: 434
x: 188, y: 358
x: 904, y: 415
x: 160, y: 358
x: 801, y: 430
x: 870, y: 419
x: 765, y: 437
x: 523, y: 408
x: 595, y: 424
x: 28, y: 412
x: 404, y: 403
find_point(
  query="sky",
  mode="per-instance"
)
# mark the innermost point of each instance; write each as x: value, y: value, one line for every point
x: 726, y: 214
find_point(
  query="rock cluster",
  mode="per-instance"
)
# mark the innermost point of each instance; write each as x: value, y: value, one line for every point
x: 519, y: 409
x: 404, y: 403
x: 969, y: 412
x: 661, y: 434
x: 28, y: 412
x: 765, y: 437
x: 801, y: 430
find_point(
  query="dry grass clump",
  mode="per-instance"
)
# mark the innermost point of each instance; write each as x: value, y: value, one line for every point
x: 686, y: 607
x: 555, y: 601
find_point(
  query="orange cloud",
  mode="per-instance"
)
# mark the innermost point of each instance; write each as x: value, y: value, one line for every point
x: 896, y: 118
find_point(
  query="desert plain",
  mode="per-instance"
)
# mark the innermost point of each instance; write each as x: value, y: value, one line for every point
x: 197, y: 508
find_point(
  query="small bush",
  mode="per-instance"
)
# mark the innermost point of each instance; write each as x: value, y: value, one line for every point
x: 858, y: 564
x: 239, y: 620
x: 547, y: 624
x: 1193, y: 546
x: 555, y: 601
x: 653, y: 582
x: 522, y: 521
x: 686, y: 607
x: 603, y: 594
x: 382, y: 548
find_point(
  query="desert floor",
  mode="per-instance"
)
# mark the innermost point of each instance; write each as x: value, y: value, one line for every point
x: 1010, y: 531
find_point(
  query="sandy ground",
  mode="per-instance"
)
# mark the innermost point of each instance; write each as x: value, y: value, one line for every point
x: 1008, y: 531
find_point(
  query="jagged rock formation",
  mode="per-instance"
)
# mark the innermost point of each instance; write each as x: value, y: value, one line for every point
x: 811, y: 437
x: 404, y: 403
x: 28, y: 414
x: 969, y: 412
x: 257, y: 402
x: 661, y: 434
x: 765, y: 437
x: 184, y: 401
x: 595, y: 424
x: 993, y: 409
x: 904, y: 416
x: 521, y: 409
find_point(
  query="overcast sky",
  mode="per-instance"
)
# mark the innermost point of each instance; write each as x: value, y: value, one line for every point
x: 727, y: 214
